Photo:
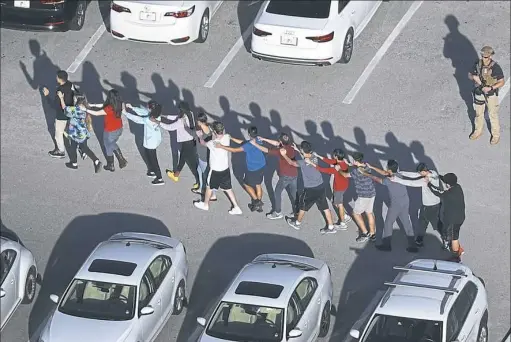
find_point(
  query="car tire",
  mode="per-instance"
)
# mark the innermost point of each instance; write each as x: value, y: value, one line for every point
x: 324, y: 324
x: 30, y: 286
x: 78, y: 20
x: 347, y: 47
x: 482, y: 335
x: 179, y: 299
x: 203, y: 28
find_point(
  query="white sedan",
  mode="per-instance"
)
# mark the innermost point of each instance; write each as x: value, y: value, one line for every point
x: 18, y: 271
x: 309, y: 32
x: 275, y: 298
x: 175, y: 22
x: 124, y: 292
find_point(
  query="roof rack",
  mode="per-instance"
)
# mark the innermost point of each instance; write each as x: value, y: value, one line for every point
x: 449, y: 290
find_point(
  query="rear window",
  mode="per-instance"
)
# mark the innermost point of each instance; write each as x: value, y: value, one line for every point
x: 317, y: 9
x: 251, y: 288
x: 112, y: 267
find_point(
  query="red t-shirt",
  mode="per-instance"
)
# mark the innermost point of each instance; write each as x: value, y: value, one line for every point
x: 112, y: 122
x: 284, y: 168
x: 340, y: 182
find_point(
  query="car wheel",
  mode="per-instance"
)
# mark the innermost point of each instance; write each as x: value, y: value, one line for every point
x: 347, y: 47
x: 30, y: 286
x: 179, y: 299
x: 79, y: 18
x: 204, y: 28
x: 482, y: 335
x: 324, y: 325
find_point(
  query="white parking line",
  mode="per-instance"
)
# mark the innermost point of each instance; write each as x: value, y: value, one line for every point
x: 381, y: 52
x: 86, y: 49
x: 228, y: 58
x: 504, y: 90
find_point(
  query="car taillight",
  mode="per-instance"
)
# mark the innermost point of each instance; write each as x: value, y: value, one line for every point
x: 322, y: 39
x: 52, y: 2
x: 260, y: 33
x: 181, y: 14
x: 119, y: 9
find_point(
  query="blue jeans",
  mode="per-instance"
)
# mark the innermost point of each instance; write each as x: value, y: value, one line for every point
x: 110, y: 141
x: 285, y: 182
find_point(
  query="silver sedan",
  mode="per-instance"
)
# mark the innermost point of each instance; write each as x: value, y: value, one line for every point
x: 19, y: 275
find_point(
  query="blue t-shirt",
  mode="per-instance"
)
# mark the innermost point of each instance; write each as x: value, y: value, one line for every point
x: 254, y: 157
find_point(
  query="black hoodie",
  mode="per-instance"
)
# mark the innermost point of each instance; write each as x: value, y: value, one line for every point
x: 67, y: 90
x: 453, y: 204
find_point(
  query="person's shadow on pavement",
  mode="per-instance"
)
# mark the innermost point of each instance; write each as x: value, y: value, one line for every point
x: 463, y: 56
x: 44, y: 76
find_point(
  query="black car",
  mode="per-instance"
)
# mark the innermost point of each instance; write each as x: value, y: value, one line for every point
x: 45, y: 15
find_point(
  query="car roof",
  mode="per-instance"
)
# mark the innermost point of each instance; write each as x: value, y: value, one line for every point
x: 286, y: 276
x: 6, y: 243
x: 423, y: 291
x: 138, y: 253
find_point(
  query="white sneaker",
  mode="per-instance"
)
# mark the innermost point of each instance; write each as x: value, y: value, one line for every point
x: 341, y: 226
x: 347, y: 218
x: 201, y: 205
x: 235, y: 211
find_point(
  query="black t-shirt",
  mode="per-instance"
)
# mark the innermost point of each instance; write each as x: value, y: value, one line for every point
x: 67, y: 90
x: 496, y: 72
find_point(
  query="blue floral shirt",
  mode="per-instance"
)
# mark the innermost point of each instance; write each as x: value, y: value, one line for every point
x: 77, y: 129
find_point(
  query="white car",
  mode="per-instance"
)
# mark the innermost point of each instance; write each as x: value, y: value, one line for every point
x: 18, y: 271
x: 430, y: 301
x: 276, y: 297
x: 124, y: 292
x: 309, y: 32
x: 175, y: 22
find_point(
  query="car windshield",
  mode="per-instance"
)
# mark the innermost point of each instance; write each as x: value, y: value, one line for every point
x: 399, y: 329
x: 99, y: 300
x: 316, y: 9
x: 244, y: 322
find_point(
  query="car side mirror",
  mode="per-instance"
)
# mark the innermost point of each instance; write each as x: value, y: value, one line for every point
x: 355, y: 333
x: 295, y: 333
x: 54, y: 298
x: 146, y: 311
x: 2, y: 293
x: 201, y: 321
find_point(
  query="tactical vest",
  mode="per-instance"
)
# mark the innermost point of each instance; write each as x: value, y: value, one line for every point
x: 485, y: 72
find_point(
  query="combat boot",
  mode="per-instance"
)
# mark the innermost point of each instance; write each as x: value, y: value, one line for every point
x: 109, y: 164
x: 120, y: 158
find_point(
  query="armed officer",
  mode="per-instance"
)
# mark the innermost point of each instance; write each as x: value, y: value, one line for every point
x: 488, y: 78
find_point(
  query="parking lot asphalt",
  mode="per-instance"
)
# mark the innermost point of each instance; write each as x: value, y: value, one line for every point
x: 414, y: 106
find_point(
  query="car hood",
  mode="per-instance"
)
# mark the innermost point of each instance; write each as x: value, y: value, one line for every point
x: 207, y: 338
x: 65, y: 328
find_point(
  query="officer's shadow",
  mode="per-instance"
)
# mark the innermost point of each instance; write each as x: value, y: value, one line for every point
x: 463, y: 56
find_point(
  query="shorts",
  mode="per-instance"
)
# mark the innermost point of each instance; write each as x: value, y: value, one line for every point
x: 338, y: 198
x: 253, y: 178
x: 364, y: 205
x: 220, y: 180
x: 311, y: 196
x: 452, y: 231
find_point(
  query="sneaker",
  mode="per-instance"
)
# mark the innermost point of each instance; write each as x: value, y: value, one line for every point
x: 73, y: 166
x: 362, y: 237
x: 347, y: 218
x: 150, y: 174
x: 341, y: 226
x: 252, y: 207
x: 274, y: 216
x: 494, y: 140
x: 235, y: 211
x: 475, y: 135
x: 327, y: 230
x: 446, y: 245
x: 171, y: 175
x: 419, y: 241
x: 82, y: 154
x: 372, y: 237
x: 97, y: 167
x: 196, y: 189
x: 201, y: 205
x: 157, y: 181
x: 293, y: 223
x: 57, y: 154
x: 259, y: 206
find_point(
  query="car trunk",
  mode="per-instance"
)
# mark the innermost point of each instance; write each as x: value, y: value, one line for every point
x: 34, y: 4
x: 146, y: 12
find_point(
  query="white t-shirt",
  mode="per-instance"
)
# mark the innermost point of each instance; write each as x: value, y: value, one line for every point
x: 218, y: 157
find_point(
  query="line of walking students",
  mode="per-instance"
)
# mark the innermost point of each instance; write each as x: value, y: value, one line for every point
x: 205, y: 148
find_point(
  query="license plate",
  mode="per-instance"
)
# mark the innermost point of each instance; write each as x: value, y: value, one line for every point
x: 288, y: 40
x: 23, y: 4
x: 148, y: 16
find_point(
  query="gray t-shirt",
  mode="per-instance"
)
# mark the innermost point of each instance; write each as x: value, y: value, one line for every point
x: 364, y: 186
x: 312, y: 178
x: 397, y: 193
